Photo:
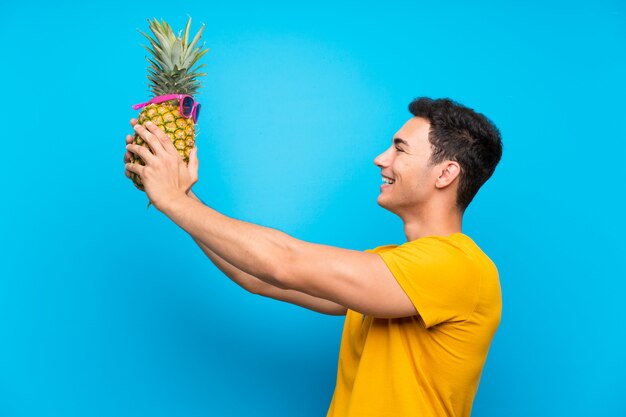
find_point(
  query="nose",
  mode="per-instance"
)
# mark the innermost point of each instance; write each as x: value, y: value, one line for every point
x: 382, y: 160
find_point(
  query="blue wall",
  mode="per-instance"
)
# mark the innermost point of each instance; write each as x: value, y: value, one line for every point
x: 107, y: 308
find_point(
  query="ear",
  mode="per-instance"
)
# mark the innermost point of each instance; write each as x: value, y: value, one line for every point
x: 449, y: 171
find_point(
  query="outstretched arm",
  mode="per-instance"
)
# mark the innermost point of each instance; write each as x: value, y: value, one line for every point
x: 252, y: 283
x: 357, y: 280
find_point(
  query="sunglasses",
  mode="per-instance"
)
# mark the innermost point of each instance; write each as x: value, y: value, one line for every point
x: 188, y: 106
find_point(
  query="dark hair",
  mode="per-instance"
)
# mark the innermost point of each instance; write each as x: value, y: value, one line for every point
x: 460, y: 134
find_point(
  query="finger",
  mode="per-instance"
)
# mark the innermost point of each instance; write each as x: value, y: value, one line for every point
x: 127, y: 173
x: 133, y: 122
x: 127, y: 156
x: 136, y: 168
x: 129, y: 139
x: 165, y: 140
x: 142, y: 152
x: 150, y: 139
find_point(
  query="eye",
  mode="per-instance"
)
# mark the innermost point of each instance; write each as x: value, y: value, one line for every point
x: 398, y: 149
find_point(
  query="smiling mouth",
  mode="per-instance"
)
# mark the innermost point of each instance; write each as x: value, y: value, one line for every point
x: 388, y: 181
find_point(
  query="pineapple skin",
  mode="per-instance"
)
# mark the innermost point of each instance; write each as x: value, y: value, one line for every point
x: 181, y: 131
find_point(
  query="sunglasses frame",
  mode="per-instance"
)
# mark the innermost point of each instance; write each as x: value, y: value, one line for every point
x: 195, y: 109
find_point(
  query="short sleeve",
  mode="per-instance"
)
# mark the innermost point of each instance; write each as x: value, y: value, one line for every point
x: 440, y: 279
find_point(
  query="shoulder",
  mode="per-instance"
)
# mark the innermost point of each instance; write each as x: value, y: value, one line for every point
x: 438, y: 273
x: 432, y: 248
x: 458, y: 251
x: 458, y: 246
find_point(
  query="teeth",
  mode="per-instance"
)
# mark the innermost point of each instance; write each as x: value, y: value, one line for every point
x: 388, y: 181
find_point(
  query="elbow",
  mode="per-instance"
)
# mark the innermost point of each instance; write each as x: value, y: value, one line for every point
x: 339, y: 311
x: 255, y: 288
x: 279, y: 277
x: 282, y: 275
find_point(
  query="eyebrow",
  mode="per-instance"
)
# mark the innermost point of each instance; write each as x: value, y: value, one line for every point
x: 397, y: 141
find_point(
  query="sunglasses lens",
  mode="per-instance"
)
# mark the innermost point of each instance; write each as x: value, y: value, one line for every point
x: 186, y: 106
x: 198, y: 107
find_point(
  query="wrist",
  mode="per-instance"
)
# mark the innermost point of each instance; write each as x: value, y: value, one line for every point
x: 173, y: 204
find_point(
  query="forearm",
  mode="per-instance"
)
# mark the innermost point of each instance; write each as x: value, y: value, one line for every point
x: 252, y: 249
x: 245, y: 281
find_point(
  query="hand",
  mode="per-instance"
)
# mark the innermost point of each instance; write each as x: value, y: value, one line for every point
x: 127, y: 155
x: 165, y: 176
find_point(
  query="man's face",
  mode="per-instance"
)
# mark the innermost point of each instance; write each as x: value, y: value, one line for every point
x: 405, y: 164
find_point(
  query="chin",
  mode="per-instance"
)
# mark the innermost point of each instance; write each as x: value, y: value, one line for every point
x: 385, y: 205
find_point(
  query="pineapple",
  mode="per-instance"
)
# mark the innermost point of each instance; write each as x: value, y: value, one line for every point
x: 171, y: 72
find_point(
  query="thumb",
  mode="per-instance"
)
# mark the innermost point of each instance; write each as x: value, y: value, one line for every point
x: 193, y: 161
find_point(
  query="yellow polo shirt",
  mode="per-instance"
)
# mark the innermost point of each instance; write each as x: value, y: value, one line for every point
x: 429, y: 364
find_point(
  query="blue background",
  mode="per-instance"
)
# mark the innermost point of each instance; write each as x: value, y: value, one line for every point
x: 107, y: 308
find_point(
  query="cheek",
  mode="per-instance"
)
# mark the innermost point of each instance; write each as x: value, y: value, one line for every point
x: 407, y: 172
x: 416, y: 181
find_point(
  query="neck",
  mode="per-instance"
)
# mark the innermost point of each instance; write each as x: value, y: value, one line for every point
x: 434, y: 222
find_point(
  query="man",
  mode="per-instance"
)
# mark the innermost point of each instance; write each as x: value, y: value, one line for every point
x: 420, y: 316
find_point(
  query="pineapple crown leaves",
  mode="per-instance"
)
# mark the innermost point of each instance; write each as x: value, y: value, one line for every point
x: 173, y: 58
